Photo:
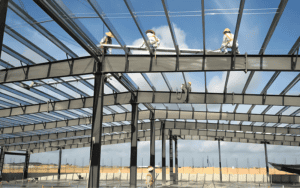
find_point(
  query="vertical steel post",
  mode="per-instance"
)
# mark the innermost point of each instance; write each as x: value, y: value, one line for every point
x: 266, y: 157
x: 163, y: 155
x: 59, y: 163
x: 3, y: 10
x: 25, y: 169
x: 220, y: 165
x: 95, y: 153
x: 134, y: 136
x: 171, y: 156
x: 176, y: 161
x: 152, y: 146
x: 2, y: 155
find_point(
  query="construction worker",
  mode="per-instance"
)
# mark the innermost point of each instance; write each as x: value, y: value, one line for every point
x: 153, y: 40
x: 107, y: 40
x: 149, y: 178
x: 186, y: 89
x: 228, y: 41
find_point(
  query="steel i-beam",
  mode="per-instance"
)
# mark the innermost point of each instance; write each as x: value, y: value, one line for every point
x: 3, y: 10
x: 163, y: 147
x: 220, y: 164
x: 59, y: 163
x: 266, y: 158
x: 2, y: 156
x: 176, y: 161
x: 95, y: 155
x: 25, y: 170
x: 171, y: 157
x: 152, y: 147
x: 134, y: 137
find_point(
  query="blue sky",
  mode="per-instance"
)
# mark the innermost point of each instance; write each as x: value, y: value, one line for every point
x: 187, y: 20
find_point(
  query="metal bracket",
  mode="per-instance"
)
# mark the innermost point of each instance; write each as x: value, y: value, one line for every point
x: 153, y: 96
x: 83, y: 99
x: 249, y: 117
x: 52, y: 104
x: 294, y: 63
x: 126, y: 62
x: 23, y: 108
x: 246, y: 62
x: 25, y: 71
x: 264, y: 99
x: 279, y: 118
x: 70, y: 64
x: 115, y: 97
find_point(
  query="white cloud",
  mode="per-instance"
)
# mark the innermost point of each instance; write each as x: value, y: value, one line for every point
x: 164, y: 34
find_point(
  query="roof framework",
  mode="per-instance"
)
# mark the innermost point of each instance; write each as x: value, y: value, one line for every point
x: 46, y: 115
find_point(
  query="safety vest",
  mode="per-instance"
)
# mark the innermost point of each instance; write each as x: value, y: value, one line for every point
x: 230, y: 39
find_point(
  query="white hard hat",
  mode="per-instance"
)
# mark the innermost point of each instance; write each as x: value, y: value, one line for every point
x: 150, y: 168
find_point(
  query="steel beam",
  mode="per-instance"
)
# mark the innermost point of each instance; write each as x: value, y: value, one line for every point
x: 2, y: 156
x: 116, y: 64
x: 3, y: 10
x: 25, y: 170
x: 203, y: 25
x: 200, y: 129
x: 55, y: 12
x: 28, y: 43
x: 138, y: 23
x: 172, y: 31
x: 171, y: 156
x: 274, y: 23
x: 295, y: 47
x: 220, y: 163
x: 176, y: 161
x: 144, y: 136
x: 179, y: 114
x: 59, y: 162
x: 237, y: 27
x: 134, y: 137
x: 163, y: 155
x: 26, y: 17
x: 156, y: 97
x: 108, y: 24
x: 266, y: 158
x: 95, y: 155
x: 152, y: 147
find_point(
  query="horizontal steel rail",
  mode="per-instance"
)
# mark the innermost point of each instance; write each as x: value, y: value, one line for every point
x: 158, y: 97
x: 145, y: 136
x: 162, y: 114
x: 120, y: 132
x: 141, y: 64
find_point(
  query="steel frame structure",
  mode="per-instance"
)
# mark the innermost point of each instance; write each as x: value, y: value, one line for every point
x: 39, y: 122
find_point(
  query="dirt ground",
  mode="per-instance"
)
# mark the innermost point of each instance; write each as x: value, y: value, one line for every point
x: 185, y: 170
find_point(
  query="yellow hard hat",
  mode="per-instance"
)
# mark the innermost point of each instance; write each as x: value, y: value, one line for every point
x: 226, y: 30
x: 190, y: 83
x: 110, y: 34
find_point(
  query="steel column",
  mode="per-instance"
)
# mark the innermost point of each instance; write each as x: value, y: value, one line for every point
x: 163, y: 147
x: 134, y: 137
x: 3, y: 10
x: 176, y: 161
x: 95, y: 155
x: 171, y: 157
x: 152, y: 146
x: 2, y: 156
x: 267, y: 163
x: 25, y: 170
x: 59, y: 163
x: 220, y: 165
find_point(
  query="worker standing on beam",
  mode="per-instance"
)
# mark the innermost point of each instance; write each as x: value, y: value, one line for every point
x: 106, y: 40
x: 228, y: 41
x: 153, y: 40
